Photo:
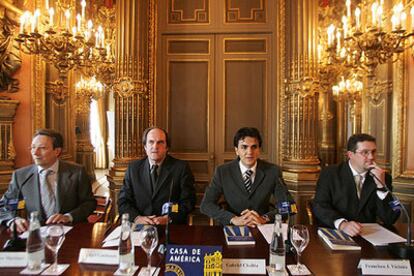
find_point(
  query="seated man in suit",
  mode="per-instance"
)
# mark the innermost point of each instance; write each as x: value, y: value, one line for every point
x: 59, y: 190
x: 247, y: 183
x: 352, y: 192
x: 152, y: 182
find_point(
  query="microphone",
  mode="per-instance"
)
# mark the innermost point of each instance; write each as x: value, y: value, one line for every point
x: 15, y: 243
x: 402, y: 250
x: 287, y: 209
x: 166, y: 210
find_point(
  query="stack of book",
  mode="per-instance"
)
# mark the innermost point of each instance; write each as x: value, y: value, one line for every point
x: 238, y: 235
x: 337, y: 240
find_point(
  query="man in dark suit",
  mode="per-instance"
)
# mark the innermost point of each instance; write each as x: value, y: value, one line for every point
x: 352, y: 192
x: 152, y: 182
x: 247, y: 184
x: 64, y: 195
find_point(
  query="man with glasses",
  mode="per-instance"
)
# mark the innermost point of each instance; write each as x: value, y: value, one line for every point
x: 61, y: 191
x: 352, y: 192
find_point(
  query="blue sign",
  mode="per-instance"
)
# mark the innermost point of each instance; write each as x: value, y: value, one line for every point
x: 192, y: 260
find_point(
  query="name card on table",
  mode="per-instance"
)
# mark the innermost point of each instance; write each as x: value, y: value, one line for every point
x: 13, y: 259
x: 98, y: 256
x: 385, y: 267
x: 244, y: 266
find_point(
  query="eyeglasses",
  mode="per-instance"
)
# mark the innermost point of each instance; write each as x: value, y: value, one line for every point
x: 366, y: 153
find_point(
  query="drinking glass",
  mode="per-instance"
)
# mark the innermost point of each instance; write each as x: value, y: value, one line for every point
x: 55, y: 235
x: 299, y: 236
x: 149, y: 239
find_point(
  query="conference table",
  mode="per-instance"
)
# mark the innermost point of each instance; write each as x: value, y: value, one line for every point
x: 317, y: 256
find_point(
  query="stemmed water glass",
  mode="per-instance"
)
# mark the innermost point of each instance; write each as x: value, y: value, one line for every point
x: 55, y: 235
x: 149, y: 239
x: 299, y: 236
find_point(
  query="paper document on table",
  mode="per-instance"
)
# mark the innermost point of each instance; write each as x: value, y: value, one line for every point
x: 43, y: 231
x: 113, y: 238
x: 378, y: 235
x: 267, y: 231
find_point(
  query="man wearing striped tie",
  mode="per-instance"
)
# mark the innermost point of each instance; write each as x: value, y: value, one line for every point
x: 352, y: 192
x: 247, y: 185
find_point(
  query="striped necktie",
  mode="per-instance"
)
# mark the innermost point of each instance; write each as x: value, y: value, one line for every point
x: 247, y: 180
x: 47, y: 193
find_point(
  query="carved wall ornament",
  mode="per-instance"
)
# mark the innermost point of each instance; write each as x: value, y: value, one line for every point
x: 305, y: 87
x: 10, y: 58
x: 376, y: 92
x: 59, y: 91
x: 127, y: 87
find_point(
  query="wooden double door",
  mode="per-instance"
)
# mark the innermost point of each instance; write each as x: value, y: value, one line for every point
x: 210, y: 82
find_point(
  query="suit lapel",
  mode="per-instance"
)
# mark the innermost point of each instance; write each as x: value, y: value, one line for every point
x: 258, y: 179
x: 368, y: 188
x: 348, y: 178
x: 33, y: 189
x: 144, y: 177
x: 164, y: 174
x: 63, y: 183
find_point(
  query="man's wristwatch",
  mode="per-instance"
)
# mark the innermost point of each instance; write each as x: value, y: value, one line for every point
x: 266, y: 218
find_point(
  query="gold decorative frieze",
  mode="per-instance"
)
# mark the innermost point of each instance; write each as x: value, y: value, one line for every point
x: 59, y: 91
x: 181, y: 12
x: 240, y: 11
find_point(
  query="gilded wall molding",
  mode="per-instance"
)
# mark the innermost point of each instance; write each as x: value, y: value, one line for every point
x: 177, y: 14
x: 399, y: 120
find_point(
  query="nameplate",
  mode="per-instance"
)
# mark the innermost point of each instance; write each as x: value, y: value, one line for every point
x: 244, y: 266
x: 385, y: 267
x: 98, y: 256
x: 13, y: 259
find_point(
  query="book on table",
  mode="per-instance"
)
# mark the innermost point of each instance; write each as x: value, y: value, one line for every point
x: 238, y: 235
x: 337, y: 239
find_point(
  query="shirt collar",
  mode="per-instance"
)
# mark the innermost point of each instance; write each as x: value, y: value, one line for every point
x: 152, y: 163
x: 243, y: 168
x: 354, y: 172
x: 54, y: 168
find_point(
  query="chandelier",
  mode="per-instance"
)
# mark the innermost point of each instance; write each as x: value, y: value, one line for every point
x: 59, y: 42
x: 365, y: 39
x: 349, y: 89
x: 90, y: 88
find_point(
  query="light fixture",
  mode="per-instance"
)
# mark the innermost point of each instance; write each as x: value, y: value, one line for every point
x: 59, y: 42
x: 364, y: 40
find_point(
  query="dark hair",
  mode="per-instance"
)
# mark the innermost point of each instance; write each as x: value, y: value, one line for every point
x: 145, y: 134
x: 247, y: 132
x: 57, y: 139
x: 356, y: 138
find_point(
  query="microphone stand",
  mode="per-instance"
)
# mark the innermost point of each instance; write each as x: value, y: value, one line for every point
x: 402, y: 250
x: 288, y: 243
x: 163, y: 247
x: 16, y: 243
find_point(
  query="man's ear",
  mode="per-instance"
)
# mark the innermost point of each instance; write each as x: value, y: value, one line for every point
x: 58, y: 151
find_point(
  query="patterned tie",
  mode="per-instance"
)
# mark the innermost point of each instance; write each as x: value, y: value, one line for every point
x: 154, y: 176
x: 247, y: 180
x: 358, y: 183
x: 47, y: 193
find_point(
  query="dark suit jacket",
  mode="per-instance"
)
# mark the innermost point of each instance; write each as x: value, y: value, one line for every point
x: 228, y: 181
x: 336, y: 197
x: 74, y: 192
x: 137, y: 199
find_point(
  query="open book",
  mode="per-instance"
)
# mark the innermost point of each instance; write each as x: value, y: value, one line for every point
x: 238, y: 235
x: 337, y: 240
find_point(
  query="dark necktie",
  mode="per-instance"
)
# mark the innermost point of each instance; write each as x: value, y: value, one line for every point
x: 154, y: 176
x: 247, y: 180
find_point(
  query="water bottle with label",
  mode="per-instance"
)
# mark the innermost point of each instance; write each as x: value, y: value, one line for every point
x: 126, y: 247
x: 35, y: 247
x: 277, y: 250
